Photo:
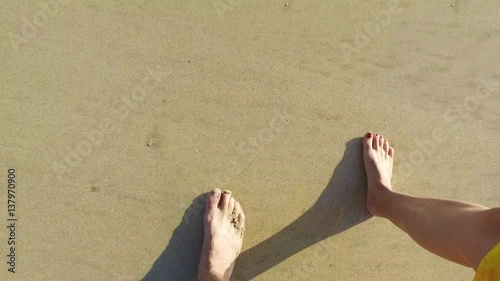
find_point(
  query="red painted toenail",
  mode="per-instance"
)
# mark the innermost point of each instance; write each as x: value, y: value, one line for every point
x: 369, y: 135
x: 376, y: 135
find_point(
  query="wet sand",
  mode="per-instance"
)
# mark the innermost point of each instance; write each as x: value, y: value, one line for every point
x: 117, y: 116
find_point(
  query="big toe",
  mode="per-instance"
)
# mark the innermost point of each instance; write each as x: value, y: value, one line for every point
x: 368, y: 141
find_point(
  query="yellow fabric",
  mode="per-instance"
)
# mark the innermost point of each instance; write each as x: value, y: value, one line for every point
x: 489, y: 268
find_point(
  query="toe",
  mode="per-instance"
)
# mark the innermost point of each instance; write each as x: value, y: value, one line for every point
x: 376, y: 140
x: 381, y: 141
x: 368, y: 141
x: 213, y: 198
x: 391, y: 152
x: 240, y: 214
x: 231, y: 204
x: 386, y: 146
x: 226, y: 196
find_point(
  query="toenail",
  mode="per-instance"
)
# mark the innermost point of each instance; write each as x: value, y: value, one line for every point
x: 226, y: 191
x: 369, y: 135
x: 376, y: 135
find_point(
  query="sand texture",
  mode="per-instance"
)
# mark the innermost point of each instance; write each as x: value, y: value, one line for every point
x: 119, y: 115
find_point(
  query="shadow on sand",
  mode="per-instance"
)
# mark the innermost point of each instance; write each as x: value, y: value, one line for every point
x: 340, y: 207
x: 179, y: 261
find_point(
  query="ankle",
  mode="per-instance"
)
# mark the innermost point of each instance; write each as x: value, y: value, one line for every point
x: 208, y: 272
x: 378, y: 199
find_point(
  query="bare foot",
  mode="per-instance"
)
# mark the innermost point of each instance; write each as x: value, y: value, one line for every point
x: 378, y: 157
x: 224, y: 222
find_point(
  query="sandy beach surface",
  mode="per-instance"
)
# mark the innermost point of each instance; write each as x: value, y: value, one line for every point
x: 117, y: 116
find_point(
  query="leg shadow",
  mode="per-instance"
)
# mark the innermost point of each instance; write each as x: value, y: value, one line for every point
x: 340, y: 207
x: 179, y: 261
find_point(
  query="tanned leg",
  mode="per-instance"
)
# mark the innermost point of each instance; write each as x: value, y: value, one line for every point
x: 458, y: 231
